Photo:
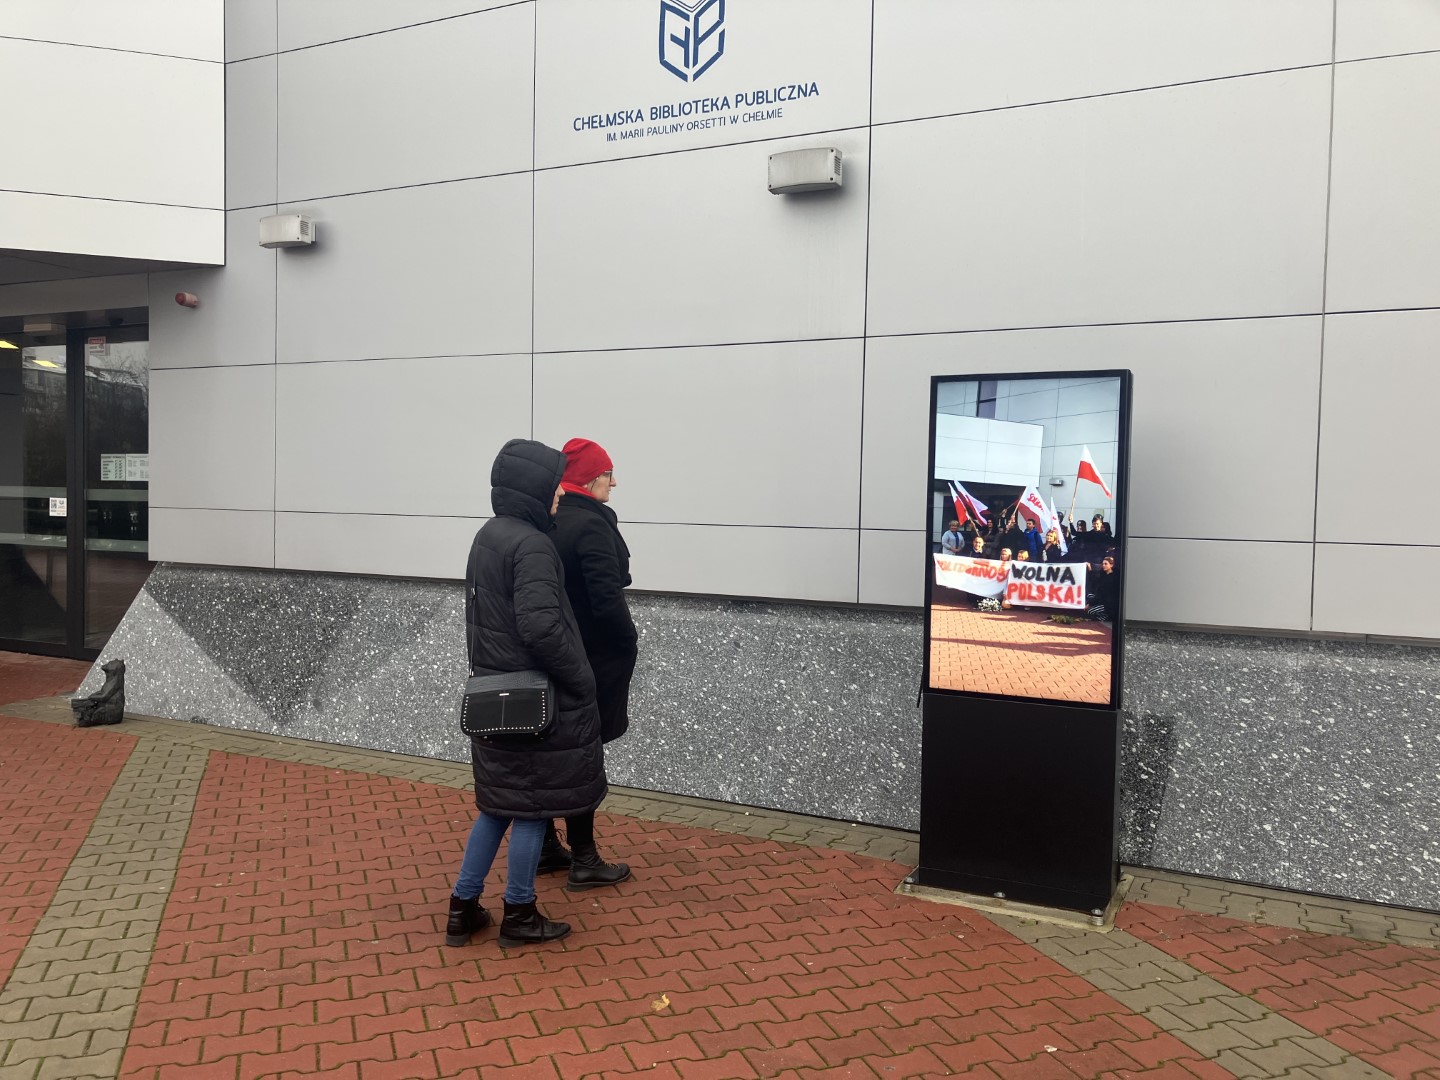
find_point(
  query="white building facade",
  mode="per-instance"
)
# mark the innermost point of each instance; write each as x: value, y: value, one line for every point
x: 550, y: 218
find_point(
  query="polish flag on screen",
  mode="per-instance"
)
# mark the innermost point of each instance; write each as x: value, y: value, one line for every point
x: 1087, y: 471
x: 966, y: 505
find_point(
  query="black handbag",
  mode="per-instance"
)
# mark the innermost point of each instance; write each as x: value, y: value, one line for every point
x: 518, y: 705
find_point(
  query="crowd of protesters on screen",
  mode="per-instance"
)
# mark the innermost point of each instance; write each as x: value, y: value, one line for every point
x: 988, y: 540
x: 1021, y: 541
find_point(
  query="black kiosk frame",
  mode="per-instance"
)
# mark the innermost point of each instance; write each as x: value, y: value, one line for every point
x: 1020, y: 795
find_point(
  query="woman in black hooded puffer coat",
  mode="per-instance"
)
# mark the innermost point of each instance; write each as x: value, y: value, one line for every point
x: 518, y: 618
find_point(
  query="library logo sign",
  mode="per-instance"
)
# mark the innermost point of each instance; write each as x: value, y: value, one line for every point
x: 692, y: 41
x: 692, y: 37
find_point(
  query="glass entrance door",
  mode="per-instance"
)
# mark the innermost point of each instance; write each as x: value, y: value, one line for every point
x: 74, y: 486
x: 116, y: 474
x: 35, y: 584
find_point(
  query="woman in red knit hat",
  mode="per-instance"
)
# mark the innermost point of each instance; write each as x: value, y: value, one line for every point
x: 597, y: 570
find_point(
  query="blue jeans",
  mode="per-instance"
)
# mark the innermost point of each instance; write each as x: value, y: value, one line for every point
x: 526, y: 837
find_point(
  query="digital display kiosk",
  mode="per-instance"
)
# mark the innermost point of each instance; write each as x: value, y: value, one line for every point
x: 1024, y: 633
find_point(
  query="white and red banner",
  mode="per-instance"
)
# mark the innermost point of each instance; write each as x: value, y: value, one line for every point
x: 1022, y: 584
x: 1048, y: 585
x: 980, y: 577
x: 1087, y: 471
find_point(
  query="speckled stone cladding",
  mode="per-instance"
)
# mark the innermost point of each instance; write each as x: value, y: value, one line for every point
x: 1307, y: 765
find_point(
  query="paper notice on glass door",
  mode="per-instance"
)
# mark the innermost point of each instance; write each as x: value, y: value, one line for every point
x: 137, y: 468
x: 112, y: 467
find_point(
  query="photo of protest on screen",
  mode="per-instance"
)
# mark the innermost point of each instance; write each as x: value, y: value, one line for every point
x: 1026, y: 566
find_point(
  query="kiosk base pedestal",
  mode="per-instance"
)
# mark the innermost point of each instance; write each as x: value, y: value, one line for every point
x: 1020, y: 801
x: 989, y: 905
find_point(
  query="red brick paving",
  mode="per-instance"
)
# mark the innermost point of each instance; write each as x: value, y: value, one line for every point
x: 47, y: 806
x: 1017, y: 652
x: 1379, y: 1001
x: 23, y: 677
x: 303, y: 937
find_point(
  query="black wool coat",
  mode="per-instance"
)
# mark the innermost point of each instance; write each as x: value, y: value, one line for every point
x: 597, y: 571
x: 518, y: 618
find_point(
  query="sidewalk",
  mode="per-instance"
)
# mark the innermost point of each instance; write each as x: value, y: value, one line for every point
x: 184, y: 901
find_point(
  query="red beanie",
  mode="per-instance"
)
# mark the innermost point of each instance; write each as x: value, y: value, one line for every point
x: 584, y: 461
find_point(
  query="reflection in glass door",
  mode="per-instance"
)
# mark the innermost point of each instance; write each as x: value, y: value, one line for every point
x: 74, y: 486
x: 117, y: 477
x: 34, y: 564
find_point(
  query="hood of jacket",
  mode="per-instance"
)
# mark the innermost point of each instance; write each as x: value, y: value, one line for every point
x: 523, y: 481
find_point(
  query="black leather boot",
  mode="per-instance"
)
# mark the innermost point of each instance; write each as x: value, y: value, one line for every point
x: 589, y: 871
x: 524, y: 925
x: 466, y: 917
x: 553, y: 856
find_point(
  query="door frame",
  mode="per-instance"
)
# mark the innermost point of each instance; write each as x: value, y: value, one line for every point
x: 76, y: 451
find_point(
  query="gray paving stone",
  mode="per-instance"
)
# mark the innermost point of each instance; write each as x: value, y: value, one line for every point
x: 40, y: 1049
x: 43, y: 1027
x: 1199, y: 1011
x: 1144, y: 975
x: 1353, y: 1069
x: 1271, y: 1030
x: 1144, y: 998
x: 1214, y: 1041
x: 71, y: 998
x: 97, y: 1020
x: 1250, y: 1008
x: 117, y: 997
x: 104, y: 1039
x: 1241, y: 1067
x: 1323, y: 1049
x: 49, y: 988
x: 1283, y: 1056
x: 1209, y: 1011
x: 1198, y: 992
x: 101, y: 1066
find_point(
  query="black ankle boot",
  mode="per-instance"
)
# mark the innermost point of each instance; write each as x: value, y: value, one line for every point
x: 589, y: 871
x: 524, y: 925
x: 466, y: 917
x: 553, y: 856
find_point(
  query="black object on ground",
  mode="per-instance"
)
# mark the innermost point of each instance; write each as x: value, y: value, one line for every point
x: 107, y: 706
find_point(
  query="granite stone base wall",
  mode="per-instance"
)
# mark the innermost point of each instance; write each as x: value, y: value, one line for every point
x: 1300, y: 764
